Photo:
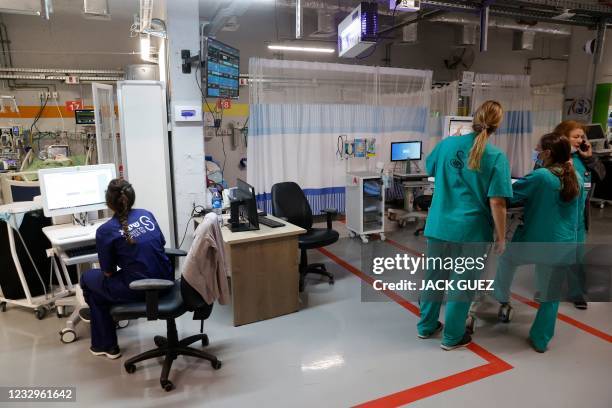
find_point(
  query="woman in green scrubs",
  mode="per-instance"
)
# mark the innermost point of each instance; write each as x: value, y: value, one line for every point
x: 553, y: 207
x: 472, y: 182
x: 591, y: 170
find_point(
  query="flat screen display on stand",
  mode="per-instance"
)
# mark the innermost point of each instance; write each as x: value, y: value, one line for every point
x: 401, y: 151
x: 73, y: 190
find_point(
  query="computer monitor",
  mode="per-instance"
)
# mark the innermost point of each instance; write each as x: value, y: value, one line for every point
x: 594, y: 131
x: 243, y: 205
x: 457, y: 125
x: 73, y: 190
x: 401, y: 151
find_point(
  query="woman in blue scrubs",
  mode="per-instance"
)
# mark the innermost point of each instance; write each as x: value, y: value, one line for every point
x: 553, y: 208
x: 591, y: 170
x: 130, y: 247
x: 472, y: 182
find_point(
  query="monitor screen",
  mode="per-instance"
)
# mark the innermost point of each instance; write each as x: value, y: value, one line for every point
x: 222, y: 73
x: 460, y: 127
x: 71, y: 190
x: 405, y: 151
x: 594, y: 131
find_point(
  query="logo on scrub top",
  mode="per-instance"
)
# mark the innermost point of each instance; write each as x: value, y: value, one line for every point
x: 140, y: 227
x: 458, y: 161
x: 147, y: 223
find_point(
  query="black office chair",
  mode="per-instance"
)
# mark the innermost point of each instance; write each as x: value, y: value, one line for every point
x: 167, y: 300
x: 290, y: 203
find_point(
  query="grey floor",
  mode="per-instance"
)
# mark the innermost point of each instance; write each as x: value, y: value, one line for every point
x: 337, y: 351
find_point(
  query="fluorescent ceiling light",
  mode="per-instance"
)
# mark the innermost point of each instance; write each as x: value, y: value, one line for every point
x: 299, y: 48
x: 145, y: 47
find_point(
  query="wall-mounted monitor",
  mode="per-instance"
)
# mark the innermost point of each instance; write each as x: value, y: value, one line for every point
x: 457, y: 125
x: 221, y: 72
x: 84, y: 117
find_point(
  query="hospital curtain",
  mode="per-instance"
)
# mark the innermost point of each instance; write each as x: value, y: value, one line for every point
x: 514, y: 136
x: 299, y: 109
x: 547, y: 109
x: 444, y: 102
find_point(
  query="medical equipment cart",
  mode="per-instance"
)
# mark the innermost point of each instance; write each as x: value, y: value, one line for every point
x: 365, y: 205
x: 12, y: 213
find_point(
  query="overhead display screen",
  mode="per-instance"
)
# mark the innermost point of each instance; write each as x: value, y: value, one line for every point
x: 222, y: 70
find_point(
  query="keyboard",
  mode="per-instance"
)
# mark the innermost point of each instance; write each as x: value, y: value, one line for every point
x: 269, y: 223
x: 81, y: 251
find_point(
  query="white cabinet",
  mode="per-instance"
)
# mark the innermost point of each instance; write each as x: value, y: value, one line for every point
x: 365, y: 204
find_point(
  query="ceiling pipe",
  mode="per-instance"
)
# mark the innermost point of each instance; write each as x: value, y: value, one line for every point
x: 496, y: 23
x: 320, y: 4
x: 484, y: 28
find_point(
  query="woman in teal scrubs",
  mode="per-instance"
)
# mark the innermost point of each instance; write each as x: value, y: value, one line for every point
x: 472, y: 182
x: 591, y: 170
x: 553, y: 207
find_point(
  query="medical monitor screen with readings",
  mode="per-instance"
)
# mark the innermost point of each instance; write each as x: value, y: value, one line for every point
x: 72, y: 190
x: 222, y: 71
x: 594, y: 131
x: 401, y: 151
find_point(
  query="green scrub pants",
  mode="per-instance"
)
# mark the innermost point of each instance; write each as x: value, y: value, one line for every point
x: 458, y: 301
x: 548, y: 282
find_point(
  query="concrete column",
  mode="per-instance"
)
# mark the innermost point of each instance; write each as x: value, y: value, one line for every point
x: 182, y: 20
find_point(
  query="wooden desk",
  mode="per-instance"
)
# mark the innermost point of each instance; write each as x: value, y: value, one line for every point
x: 264, y: 271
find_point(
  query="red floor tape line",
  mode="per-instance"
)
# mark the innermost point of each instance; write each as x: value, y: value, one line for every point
x: 564, y: 318
x: 494, y: 365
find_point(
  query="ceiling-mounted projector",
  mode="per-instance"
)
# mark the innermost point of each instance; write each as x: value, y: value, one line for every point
x: 357, y: 32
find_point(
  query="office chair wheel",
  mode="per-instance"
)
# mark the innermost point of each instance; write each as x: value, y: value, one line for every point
x: 382, y: 236
x: 122, y: 324
x: 131, y: 368
x: 3, y: 306
x: 67, y: 336
x: 205, y: 341
x: 167, y: 385
x: 160, y: 341
x: 216, y: 364
x: 40, y: 313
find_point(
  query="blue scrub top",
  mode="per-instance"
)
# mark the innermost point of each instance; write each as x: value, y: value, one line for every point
x: 547, y: 218
x: 460, y: 210
x: 145, y: 258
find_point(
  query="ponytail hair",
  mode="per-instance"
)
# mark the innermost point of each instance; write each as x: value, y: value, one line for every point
x: 560, y: 164
x: 120, y: 197
x: 487, y: 119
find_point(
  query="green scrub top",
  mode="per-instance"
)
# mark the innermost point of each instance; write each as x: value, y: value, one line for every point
x: 546, y: 218
x: 585, y: 176
x: 460, y: 210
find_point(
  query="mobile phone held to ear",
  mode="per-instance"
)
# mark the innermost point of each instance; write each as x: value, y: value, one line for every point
x: 584, y: 146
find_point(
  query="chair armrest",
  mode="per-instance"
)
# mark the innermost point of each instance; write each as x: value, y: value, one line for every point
x: 174, y: 252
x: 152, y: 287
x: 151, y: 284
x: 331, y: 214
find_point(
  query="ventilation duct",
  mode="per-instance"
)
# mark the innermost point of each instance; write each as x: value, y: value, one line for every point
x: 496, y: 23
x: 96, y: 9
x: 42, y: 8
x: 468, y: 34
x: 410, y: 34
x: 523, y: 40
x: 326, y: 24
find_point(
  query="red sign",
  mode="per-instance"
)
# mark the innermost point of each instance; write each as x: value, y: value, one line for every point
x: 73, y: 105
x: 224, y: 104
